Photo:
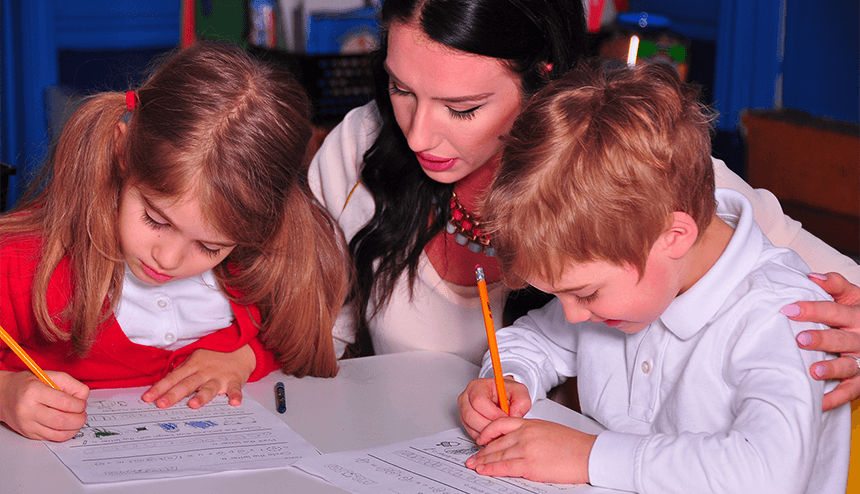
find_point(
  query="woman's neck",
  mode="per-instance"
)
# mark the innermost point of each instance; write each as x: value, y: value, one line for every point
x: 456, y: 263
x: 471, y: 188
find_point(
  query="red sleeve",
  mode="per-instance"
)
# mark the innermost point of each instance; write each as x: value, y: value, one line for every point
x: 266, y: 362
x: 19, y: 257
x: 248, y: 318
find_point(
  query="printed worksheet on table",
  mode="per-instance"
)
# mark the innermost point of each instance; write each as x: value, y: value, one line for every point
x: 127, y: 439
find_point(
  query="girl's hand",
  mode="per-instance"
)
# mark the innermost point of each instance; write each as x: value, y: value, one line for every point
x: 479, y: 403
x: 533, y: 449
x: 38, y: 411
x: 844, y: 316
x: 208, y: 373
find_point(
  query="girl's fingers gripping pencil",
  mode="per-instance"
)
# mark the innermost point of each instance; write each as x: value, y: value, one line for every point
x: 29, y: 361
x: 26, y: 359
x: 491, y: 340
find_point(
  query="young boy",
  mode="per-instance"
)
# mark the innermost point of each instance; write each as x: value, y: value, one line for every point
x: 605, y: 198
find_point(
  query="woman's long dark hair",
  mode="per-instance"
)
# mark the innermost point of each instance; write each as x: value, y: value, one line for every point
x: 528, y: 35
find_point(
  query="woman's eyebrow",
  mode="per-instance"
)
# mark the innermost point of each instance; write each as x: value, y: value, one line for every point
x: 456, y: 99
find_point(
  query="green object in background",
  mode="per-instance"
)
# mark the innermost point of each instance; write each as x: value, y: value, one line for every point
x: 223, y: 20
x: 677, y: 52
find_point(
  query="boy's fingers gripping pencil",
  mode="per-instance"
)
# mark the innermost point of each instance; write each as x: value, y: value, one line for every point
x: 491, y: 339
x: 26, y: 359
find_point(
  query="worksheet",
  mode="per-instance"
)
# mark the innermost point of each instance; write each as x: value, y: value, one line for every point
x: 436, y: 464
x: 127, y: 439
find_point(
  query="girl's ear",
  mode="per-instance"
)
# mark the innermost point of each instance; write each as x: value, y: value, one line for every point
x: 119, y: 134
x: 679, y: 236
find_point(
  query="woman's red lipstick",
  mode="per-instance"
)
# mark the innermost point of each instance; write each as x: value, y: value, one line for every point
x: 435, y: 163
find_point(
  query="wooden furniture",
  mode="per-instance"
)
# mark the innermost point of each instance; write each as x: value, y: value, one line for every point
x: 813, y: 166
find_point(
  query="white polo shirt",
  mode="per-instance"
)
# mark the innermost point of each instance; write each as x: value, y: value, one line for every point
x: 172, y: 315
x: 715, y: 395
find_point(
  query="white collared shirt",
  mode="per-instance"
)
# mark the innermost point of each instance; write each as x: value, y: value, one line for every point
x: 714, y: 396
x: 172, y: 315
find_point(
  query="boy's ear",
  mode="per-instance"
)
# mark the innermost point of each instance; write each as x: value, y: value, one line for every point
x: 679, y: 236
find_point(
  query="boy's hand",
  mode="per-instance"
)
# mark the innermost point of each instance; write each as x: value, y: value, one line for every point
x: 479, y: 403
x: 533, y: 449
x: 38, y: 411
x: 208, y: 373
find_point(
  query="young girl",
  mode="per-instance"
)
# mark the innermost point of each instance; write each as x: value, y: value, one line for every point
x: 175, y: 242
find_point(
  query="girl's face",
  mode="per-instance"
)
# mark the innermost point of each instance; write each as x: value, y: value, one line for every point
x: 164, y: 241
x: 452, y: 106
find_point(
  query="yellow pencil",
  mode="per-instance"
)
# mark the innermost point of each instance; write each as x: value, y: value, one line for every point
x: 491, y: 339
x: 26, y: 359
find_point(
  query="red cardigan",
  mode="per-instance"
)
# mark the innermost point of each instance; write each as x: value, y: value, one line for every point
x: 114, y: 361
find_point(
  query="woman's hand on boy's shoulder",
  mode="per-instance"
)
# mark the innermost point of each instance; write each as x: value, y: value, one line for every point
x: 843, y: 315
x: 38, y: 411
x: 205, y: 374
x: 533, y: 449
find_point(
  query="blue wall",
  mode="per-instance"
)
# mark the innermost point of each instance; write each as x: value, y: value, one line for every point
x: 818, y: 71
x: 822, y: 58
x: 34, y: 35
x: 116, y: 24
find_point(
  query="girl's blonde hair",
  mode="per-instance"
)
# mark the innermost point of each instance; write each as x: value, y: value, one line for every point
x: 213, y: 119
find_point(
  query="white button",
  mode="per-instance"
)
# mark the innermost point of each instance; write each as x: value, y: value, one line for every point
x: 169, y: 337
x: 646, y: 367
x: 162, y: 303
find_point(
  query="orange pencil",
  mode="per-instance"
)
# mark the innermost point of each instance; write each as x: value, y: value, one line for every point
x: 26, y: 359
x: 491, y: 339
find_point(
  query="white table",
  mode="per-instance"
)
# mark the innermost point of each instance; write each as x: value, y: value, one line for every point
x: 373, y: 401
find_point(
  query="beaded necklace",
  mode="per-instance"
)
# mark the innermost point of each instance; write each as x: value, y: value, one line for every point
x: 467, y: 229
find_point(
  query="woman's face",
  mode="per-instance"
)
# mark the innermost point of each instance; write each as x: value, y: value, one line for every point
x: 451, y: 105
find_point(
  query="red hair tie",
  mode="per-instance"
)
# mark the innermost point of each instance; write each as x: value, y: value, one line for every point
x: 130, y: 100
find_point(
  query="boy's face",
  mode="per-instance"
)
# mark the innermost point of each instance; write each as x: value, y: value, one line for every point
x: 614, y: 295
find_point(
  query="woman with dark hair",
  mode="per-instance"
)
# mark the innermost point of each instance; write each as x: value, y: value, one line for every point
x: 404, y: 175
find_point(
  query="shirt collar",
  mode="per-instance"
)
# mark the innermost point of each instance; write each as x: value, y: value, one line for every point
x: 692, y: 310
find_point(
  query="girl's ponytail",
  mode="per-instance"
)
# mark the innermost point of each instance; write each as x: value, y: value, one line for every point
x: 76, y: 214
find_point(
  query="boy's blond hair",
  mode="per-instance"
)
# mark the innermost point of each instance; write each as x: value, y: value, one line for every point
x: 593, y: 168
